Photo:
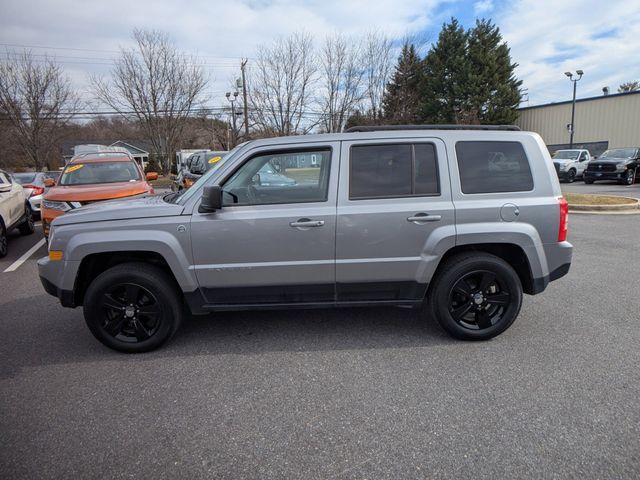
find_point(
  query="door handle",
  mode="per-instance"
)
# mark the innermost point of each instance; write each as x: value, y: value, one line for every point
x: 306, y: 223
x: 423, y: 218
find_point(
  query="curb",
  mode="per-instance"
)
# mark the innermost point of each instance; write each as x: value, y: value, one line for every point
x: 619, y: 208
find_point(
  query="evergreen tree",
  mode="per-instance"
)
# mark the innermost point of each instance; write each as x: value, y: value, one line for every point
x: 446, y: 73
x: 494, y: 91
x: 401, y: 98
x: 469, y: 77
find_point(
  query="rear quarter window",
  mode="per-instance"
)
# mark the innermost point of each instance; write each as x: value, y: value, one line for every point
x: 493, y: 167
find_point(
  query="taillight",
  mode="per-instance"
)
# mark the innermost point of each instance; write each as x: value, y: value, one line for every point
x: 35, y: 190
x: 564, y: 219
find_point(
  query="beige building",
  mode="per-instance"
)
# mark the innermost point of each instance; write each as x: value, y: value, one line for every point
x: 608, y: 121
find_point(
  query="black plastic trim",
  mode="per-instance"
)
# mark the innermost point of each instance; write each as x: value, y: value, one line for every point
x: 66, y: 297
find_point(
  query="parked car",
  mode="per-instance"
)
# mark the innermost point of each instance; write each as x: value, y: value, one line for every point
x: 15, y: 211
x: 571, y: 164
x: 390, y: 216
x: 34, y: 188
x: 621, y: 164
x: 91, y: 178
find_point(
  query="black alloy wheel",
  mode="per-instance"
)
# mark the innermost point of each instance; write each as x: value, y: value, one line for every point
x: 630, y: 177
x: 131, y: 313
x: 133, y: 307
x: 478, y: 300
x: 475, y: 296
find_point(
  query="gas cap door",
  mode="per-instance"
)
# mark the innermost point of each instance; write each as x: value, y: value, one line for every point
x: 509, y: 212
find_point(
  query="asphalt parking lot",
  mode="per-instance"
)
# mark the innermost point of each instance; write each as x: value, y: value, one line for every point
x: 357, y: 393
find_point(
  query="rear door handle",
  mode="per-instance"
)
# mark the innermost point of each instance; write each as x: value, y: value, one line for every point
x: 419, y: 218
x: 306, y: 223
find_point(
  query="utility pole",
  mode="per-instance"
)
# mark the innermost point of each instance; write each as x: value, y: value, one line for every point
x: 243, y: 64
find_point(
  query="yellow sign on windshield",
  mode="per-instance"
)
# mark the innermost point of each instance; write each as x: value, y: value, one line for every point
x: 74, y: 168
x: 215, y: 159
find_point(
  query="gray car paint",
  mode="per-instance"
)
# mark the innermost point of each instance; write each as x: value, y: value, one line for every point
x: 360, y: 241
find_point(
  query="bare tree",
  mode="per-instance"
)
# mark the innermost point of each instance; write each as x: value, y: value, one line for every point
x: 342, y: 74
x: 36, y: 100
x: 378, y: 66
x: 158, y: 85
x: 631, y: 86
x: 282, y: 82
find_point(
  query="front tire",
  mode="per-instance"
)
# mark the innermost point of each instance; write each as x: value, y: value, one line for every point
x: 475, y: 296
x: 629, y: 178
x: 4, y: 244
x: 133, y: 307
x: 588, y: 181
x: 571, y: 176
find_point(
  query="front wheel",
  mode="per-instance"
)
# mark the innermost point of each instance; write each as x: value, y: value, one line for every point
x: 4, y: 246
x: 133, y: 307
x: 588, y: 181
x: 629, y: 177
x: 571, y: 176
x: 476, y: 296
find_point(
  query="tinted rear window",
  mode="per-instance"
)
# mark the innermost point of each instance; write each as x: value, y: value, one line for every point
x: 493, y: 167
x: 24, y: 178
x: 393, y: 170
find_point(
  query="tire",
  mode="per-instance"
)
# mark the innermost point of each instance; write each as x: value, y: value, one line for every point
x: 27, y: 227
x: 4, y: 247
x: 466, y: 308
x: 629, y: 178
x: 133, y: 307
x: 588, y: 181
x: 571, y: 176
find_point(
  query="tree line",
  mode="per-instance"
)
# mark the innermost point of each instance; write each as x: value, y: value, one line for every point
x: 294, y: 86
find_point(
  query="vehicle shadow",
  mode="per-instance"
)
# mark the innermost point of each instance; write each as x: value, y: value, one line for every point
x: 45, y: 333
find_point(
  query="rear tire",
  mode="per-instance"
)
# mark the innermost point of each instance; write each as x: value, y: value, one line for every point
x: 4, y: 246
x: 133, y: 307
x: 475, y: 296
x: 27, y: 227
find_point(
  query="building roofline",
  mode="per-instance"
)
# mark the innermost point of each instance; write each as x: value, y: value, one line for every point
x: 578, y: 100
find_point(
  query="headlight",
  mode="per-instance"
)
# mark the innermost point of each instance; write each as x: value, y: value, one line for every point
x: 564, y: 166
x: 621, y: 167
x: 53, y: 205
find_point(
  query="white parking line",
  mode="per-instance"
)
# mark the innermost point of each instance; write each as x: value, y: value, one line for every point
x: 15, y: 265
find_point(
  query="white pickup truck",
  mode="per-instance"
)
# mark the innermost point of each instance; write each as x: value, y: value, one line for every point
x: 571, y: 163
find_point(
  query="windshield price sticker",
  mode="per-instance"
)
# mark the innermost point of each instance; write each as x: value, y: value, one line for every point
x: 74, y: 168
x: 215, y: 159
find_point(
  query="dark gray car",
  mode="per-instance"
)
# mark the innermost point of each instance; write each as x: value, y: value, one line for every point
x: 384, y: 216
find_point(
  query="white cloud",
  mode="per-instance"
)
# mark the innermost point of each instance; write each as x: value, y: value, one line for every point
x: 548, y: 38
x: 483, y: 6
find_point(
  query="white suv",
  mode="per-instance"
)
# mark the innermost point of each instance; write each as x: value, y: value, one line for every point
x: 14, y: 210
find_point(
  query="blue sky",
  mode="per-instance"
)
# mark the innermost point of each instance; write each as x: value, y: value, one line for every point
x: 546, y: 37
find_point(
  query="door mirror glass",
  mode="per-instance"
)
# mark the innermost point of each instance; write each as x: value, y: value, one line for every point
x: 211, y: 199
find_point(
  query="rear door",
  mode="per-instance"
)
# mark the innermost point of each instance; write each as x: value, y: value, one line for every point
x: 394, y: 207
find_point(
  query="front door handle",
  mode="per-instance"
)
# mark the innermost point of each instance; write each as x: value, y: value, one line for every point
x: 306, y: 223
x: 419, y: 218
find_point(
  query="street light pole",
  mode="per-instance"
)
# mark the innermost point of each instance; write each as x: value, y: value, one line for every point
x: 233, y: 139
x: 573, y: 104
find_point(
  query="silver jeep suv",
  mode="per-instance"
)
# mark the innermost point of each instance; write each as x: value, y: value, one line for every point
x: 463, y: 220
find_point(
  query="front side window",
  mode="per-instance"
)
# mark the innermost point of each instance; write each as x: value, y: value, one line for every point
x: 99, y: 172
x: 493, y: 167
x: 393, y: 170
x: 280, y: 177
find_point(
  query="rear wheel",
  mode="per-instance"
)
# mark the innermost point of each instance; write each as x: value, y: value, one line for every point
x: 27, y: 227
x: 133, y: 307
x: 4, y: 247
x: 588, y: 181
x: 476, y: 296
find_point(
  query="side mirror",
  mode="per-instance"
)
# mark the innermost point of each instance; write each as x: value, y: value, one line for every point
x: 594, y: 157
x: 151, y: 176
x: 211, y: 199
x: 5, y: 187
x: 255, y: 180
x: 49, y: 182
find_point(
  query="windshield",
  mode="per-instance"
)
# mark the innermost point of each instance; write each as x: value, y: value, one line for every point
x: 24, y: 178
x: 619, y: 153
x: 185, y: 195
x: 566, y: 154
x: 99, y: 172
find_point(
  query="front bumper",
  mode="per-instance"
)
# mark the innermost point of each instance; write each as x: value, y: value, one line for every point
x: 52, y: 277
x: 594, y: 175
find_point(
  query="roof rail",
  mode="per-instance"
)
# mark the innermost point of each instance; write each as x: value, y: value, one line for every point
x: 112, y: 153
x: 375, y: 128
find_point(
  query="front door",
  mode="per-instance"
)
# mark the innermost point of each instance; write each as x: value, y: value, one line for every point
x: 273, y: 241
x: 395, y: 218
